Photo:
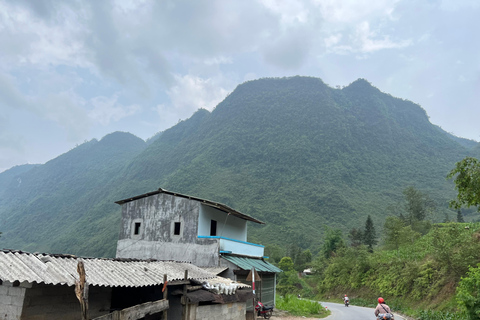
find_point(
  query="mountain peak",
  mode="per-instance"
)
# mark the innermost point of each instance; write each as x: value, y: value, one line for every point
x: 361, y: 84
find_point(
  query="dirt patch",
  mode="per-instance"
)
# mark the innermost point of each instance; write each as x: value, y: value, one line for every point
x: 283, y: 315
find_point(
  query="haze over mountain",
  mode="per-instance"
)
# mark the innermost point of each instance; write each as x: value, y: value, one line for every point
x: 292, y: 152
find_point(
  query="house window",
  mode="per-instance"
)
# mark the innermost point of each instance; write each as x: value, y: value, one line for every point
x: 176, y: 229
x: 136, y: 230
x: 213, y: 227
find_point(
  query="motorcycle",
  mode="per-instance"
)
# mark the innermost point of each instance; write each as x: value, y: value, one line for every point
x: 263, y: 310
x: 385, y: 316
x: 347, y: 302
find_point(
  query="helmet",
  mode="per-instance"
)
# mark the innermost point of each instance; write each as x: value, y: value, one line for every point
x: 345, y: 295
x: 380, y: 300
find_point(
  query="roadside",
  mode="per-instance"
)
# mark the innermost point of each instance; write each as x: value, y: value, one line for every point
x: 284, y: 315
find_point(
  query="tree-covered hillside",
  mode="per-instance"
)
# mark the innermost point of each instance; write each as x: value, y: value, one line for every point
x: 58, y: 206
x: 292, y: 152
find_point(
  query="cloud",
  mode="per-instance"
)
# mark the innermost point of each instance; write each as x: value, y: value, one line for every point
x: 28, y: 39
x: 289, y: 51
x: 370, y: 41
x: 192, y: 93
x: 107, y: 109
x: 10, y: 95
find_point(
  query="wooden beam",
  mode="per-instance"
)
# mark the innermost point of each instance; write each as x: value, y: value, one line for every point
x: 137, y: 312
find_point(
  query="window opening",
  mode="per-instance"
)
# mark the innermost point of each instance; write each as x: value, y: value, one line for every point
x: 176, y: 230
x: 137, y: 228
x: 213, y: 227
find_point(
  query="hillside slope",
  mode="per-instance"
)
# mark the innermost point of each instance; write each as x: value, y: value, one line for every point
x: 291, y: 151
x: 37, y: 215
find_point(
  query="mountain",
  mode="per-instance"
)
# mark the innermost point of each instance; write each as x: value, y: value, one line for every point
x: 38, y: 214
x: 292, y: 152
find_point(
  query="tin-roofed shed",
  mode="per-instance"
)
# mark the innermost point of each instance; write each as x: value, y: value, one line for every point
x: 42, y: 286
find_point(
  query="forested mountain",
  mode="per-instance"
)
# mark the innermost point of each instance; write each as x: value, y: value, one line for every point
x: 292, y: 152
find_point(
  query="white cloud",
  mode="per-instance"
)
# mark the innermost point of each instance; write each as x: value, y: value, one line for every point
x: 370, y: 41
x: 107, y: 109
x: 27, y: 39
x: 192, y: 93
x: 354, y: 11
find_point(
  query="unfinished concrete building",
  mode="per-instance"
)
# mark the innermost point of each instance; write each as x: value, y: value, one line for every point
x: 171, y: 226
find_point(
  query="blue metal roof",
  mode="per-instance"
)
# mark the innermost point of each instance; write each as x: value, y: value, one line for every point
x: 247, y: 264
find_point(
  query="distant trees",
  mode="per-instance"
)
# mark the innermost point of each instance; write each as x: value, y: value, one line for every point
x: 366, y: 237
x: 369, y: 236
x: 333, y: 242
x: 356, y: 237
x: 466, y: 176
x: 417, y: 206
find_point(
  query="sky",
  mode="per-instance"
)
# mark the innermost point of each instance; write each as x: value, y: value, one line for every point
x: 72, y: 71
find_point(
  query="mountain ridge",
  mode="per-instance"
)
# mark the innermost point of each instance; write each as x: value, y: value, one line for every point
x: 293, y: 152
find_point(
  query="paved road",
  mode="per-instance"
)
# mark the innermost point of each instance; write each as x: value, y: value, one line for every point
x: 340, y: 312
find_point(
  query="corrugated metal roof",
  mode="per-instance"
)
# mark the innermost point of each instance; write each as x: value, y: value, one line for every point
x: 215, y: 270
x: 216, y: 205
x: 62, y: 269
x: 247, y: 264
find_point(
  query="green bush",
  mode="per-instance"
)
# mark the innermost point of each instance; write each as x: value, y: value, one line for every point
x: 468, y: 293
x: 299, y: 307
x: 437, y: 315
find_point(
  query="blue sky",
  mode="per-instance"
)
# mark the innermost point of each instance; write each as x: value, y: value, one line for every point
x: 71, y: 71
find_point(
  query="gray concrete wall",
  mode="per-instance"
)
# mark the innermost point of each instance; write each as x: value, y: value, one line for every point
x: 228, y: 311
x: 11, y: 301
x: 228, y: 226
x: 48, y: 302
x: 203, y: 255
x: 157, y: 215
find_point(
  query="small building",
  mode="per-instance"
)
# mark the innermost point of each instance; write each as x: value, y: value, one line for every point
x: 167, y: 225
x: 42, y: 287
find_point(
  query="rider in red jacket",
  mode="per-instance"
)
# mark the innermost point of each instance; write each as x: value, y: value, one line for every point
x: 382, y: 307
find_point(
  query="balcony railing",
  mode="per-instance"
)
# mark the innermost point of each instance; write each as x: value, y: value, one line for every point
x: 238, y: 246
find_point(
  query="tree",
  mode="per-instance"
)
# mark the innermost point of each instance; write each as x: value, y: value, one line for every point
x: 467, y: 295
x: 286, y: 264
x: 369, y: 236
x: 274, y: 252
x: 466, y: 176
x: 333, y: 242
x: 356, y: 237
x: 397, y: 233
x: 460, y: 217
x: 303, y: 260
x: 417, y: 206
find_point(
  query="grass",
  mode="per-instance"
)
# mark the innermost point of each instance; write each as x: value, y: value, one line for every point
x: 300, y: 307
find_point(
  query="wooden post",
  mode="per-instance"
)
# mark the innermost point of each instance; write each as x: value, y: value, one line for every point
x: 185, y: 299
x: 81, y: 290
x: 165, y: 294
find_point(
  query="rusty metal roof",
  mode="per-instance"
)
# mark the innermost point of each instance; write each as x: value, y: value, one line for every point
x: 62, y: 269
x: 216, y: 205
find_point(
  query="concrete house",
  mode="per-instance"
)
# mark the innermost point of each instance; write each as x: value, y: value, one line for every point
x: 170, y: 226
x: 36, y: 286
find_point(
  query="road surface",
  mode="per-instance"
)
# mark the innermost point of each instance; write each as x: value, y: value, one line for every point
x: 340, y: 312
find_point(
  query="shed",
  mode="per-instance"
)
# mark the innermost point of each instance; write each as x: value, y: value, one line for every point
x: 42, y: 286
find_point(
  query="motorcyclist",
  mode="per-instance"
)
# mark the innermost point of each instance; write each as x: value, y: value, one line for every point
x: 345, y: 299
x: 382, y: 311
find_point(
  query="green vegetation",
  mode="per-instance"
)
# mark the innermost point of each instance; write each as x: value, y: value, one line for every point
x: 424, y: 278
x: 300, y: 307
x: 292, y: 152
x: 468, y: 296
x: 466, y: 176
